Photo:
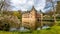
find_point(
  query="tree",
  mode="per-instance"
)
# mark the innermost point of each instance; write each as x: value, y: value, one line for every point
x: 1, y: 5
x: 4, y: 25
x: 54, y: 9
x: 4, y: 5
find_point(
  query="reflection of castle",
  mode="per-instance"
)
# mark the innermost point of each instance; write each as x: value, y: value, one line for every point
x: 30, y: 19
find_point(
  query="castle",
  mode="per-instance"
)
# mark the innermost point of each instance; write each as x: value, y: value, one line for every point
x: 31, y: 19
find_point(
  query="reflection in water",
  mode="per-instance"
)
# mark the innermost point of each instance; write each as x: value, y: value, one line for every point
x: 22, y: 29
x: 44, y: 27
x: 13, y: 29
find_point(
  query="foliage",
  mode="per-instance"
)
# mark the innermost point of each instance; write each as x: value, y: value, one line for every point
x: 15, y: 13
x: 4, y: 26
x: 18, y: 14
x: 13, y: 21
x: 7, y: 12
x: 58, y: 7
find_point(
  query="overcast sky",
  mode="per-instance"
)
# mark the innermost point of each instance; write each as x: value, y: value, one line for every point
x: 25, y: 5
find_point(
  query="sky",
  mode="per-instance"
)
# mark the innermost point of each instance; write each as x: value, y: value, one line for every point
x: 25, y: 5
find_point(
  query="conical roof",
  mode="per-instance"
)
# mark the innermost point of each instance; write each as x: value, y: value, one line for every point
x: 33, y: 9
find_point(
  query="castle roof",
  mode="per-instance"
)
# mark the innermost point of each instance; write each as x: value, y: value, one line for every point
x: 33, y: 8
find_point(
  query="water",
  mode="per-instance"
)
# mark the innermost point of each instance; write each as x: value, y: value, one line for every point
x: 22, y: 29
x: 44, y: 27
x: 13, y: 29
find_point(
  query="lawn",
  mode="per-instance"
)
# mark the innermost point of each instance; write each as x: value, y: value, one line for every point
x: 52, y: 30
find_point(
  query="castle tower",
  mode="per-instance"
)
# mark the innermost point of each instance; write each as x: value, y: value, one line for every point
x: 29, y: 19
x: 33, y: 12
x: 33, y: 15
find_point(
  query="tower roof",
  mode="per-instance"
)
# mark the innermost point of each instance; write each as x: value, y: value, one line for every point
x: 33, y: 9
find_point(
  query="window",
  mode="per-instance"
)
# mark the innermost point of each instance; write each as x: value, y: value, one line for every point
x: 26, y: 16
x: 38, y: 20
x: 26, y: 22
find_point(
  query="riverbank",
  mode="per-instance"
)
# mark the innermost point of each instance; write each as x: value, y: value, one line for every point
x: 52, y: 30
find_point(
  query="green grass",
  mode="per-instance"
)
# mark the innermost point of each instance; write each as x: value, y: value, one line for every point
x: 4, y: 32
x: 53, y: 30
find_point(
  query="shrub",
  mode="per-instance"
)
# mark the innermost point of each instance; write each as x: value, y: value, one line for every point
x: 18, y: 14
x: 4, y: 26
x: 11, y: 21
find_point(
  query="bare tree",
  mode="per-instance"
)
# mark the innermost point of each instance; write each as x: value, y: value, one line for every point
x: 7, y: 5
x: 1, y: 5
x: 4, y: 5
x: 54, y: 9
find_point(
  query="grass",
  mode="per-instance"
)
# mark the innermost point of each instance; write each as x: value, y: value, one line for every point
x: 53, y: 30
x: 4, y: 32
